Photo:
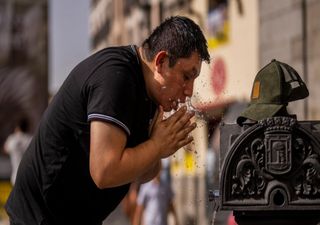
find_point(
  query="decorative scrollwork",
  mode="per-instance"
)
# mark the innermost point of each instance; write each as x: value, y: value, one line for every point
x: 248, y: 180
x: 308, y: 184
x: 268, y: 155
x: 278, y: 123
x: 274, y: 153
x: 248, y: 183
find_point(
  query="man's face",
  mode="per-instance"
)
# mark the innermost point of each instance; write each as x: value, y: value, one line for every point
x: 177, y: 81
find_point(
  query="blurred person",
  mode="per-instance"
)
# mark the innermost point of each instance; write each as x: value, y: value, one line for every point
x: 129, y: 202
x: 166, y: 169
x: 155, y: 202
x: 104, y: 129
x: 16, y: 144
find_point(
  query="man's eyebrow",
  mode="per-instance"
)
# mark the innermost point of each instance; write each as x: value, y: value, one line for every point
x: 192, y: 73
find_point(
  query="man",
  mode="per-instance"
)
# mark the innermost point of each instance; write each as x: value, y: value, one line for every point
x: 96, y: 137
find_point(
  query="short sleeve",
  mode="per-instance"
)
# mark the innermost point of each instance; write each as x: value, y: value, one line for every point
x: 111, y: 95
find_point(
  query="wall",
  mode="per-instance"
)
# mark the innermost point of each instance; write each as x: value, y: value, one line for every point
x: 281, y: 37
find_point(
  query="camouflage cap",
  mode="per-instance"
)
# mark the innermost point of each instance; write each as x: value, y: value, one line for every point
x: 274, y: 86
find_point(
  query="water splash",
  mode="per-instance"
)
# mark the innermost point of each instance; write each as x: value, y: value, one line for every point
x: 188, y: 104
x: 190, y: 107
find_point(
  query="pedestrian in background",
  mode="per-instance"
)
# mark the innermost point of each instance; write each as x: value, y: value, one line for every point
x: 129, y: 202
x: 155, y: 202
x: 95, y: 137
x: 16, y: 144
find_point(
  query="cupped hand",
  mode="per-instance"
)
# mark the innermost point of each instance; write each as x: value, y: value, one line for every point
x: 172, y: 133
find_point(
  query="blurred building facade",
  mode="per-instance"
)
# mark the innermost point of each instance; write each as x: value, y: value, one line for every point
x: 290, y: 32
x: 23, y: 60
x: 23, y: 74
x: 243, y: 36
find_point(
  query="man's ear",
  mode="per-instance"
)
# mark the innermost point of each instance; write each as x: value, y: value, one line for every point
x: 159, y: 60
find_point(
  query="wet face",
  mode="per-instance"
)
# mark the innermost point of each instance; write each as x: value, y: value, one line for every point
x: 176, y: 83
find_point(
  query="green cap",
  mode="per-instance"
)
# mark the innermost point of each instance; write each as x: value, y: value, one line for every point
x: 274, y: 86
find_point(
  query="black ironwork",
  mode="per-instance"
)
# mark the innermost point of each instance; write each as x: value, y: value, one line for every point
x: 271, y: 166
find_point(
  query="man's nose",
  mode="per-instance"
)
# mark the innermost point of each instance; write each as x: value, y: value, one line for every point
x: 188, y: 90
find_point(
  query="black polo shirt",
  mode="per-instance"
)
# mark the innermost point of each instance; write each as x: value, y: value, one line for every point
x: 53, y: 184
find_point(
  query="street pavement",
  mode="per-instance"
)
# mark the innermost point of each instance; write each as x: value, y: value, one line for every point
x: 117, y: 217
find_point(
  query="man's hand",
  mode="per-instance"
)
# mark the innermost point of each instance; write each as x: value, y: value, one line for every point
x: 168, y: 135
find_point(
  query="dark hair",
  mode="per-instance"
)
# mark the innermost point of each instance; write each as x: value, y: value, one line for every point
x: 179, y: 36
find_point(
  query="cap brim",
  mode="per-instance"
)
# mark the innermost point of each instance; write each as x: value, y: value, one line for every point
x: 258, y: 112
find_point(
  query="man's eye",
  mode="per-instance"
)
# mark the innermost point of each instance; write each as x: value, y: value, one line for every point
x: 186, y: 77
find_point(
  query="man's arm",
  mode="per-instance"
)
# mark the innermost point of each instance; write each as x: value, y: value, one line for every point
x: 150, y: 174
x: 111, y: 164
